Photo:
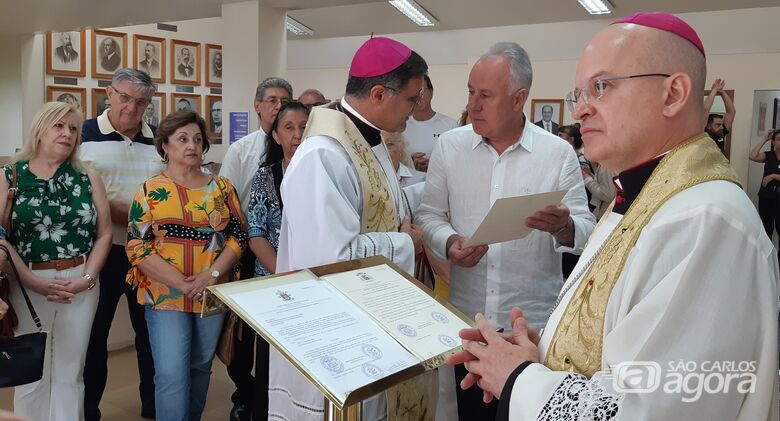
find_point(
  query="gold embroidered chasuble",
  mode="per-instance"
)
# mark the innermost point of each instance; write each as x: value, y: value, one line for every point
x: 414, y: 399
x: 578, y: 339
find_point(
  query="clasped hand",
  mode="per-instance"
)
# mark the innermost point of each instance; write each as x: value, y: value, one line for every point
x: 195, y: 285
x: 490, y: 357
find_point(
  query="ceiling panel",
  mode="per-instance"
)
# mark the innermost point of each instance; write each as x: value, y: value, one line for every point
x: 328, y: 18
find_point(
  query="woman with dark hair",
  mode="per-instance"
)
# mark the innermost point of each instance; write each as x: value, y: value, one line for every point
x: 597, y: 178
x: 184, y: 234
x: 264, y: 215
x: 769, y: 193
x: 265, y: 205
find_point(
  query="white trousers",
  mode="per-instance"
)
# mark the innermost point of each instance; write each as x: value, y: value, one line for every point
x: 59, y: 395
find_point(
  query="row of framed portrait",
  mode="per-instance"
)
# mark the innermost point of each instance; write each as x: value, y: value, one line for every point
x: 65, y: 56
x: 155, y: 111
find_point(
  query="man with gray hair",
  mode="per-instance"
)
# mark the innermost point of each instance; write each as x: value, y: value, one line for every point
x: 118, y: 144
x: 240, y: 165
x: 505, y: 156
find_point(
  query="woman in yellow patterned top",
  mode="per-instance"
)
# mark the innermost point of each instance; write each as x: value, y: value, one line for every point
x: 185, y: 232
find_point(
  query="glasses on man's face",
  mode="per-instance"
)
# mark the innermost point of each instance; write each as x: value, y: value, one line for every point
x: 272, y: 101
x: 125, y: 98
x: 597, y: 88
x: 416, y: 100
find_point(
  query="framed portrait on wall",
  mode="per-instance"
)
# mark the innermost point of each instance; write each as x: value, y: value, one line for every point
x: 66, y: 53
x: 189, y: 102
x: 155, y: 111
x: 214, y: 118
x: 109, y: 53
x: 75, y: 96
x: 149, y: 56
x: 185, y: 62
x: 99, y: 101
x: 547, y: 114
x: 214, y: 65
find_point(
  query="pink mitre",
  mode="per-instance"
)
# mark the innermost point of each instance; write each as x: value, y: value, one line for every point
x: 665, y: 22
x: 378, y: 56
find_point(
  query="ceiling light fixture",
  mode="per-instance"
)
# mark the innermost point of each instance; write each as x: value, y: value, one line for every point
x: 414, y: 12
x: 597, y: 7
x: 297, y: 28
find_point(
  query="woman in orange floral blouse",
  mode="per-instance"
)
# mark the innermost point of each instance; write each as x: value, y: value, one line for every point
x: 185, y: 232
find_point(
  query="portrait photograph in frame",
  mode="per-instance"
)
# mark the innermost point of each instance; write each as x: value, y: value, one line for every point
x: 189, y: 102
x: 99, y: 101
x: 155, y: 111
x: 547, y: 114
x: 149, y: 56
x: 76, y: 96
x: 214, y: 65
x: 66, y: 53
x: 185, y: 62
x: 213, y: 116
x: 109, y: 53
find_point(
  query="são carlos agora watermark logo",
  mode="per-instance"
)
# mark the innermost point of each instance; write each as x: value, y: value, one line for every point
x: 689, y: 379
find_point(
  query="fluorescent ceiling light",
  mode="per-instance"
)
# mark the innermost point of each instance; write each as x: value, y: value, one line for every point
x: 415, y: 12
x: 597, y: 7
x: 298, y: 28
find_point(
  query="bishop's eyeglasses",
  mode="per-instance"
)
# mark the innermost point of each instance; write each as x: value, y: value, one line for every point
x: 597, y: 88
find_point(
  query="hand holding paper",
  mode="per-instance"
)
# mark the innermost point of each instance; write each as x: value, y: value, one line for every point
x: 509, y: 218
x: 462, y: 255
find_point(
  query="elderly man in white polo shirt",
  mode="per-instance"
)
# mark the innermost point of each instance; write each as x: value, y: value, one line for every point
x: 118, y: 144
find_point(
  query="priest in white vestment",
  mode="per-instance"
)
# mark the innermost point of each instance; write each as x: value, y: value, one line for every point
x: 671, y: 312
x: 342, y: 198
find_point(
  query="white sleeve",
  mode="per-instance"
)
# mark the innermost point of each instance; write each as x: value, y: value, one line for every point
x: 695, y: 323
x: 577, y: 201
x: 433, y: 212
x: 321, y: 221
x: 231, y: 165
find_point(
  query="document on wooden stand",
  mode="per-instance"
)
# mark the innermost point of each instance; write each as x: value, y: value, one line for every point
x: 505, y: 219
x: 354, y: 329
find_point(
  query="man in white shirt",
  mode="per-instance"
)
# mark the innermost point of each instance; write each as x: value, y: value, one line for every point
x: 423, y: 130
x: 502, y: 154
x: 671, y: 313
x: 240, y: 165
x: 331, y: 210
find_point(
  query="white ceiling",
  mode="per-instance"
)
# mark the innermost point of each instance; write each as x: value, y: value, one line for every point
x: 329, y: 18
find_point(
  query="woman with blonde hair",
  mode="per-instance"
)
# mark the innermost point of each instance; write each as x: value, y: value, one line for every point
x: 59, y: 236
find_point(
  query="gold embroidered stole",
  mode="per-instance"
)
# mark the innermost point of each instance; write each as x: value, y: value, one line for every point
x: 379, y: 212
x: 413, y: 399
x: 578, y: 340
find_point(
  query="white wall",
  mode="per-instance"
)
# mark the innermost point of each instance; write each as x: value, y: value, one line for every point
x: 740, y: 44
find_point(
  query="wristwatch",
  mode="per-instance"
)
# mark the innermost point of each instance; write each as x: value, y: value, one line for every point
x: 215, y: 274
x: 91, y: 280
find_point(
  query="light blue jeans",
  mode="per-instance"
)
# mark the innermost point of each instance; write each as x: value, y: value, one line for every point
x: 183, y: 346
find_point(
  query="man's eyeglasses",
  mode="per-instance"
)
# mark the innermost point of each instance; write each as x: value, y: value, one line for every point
x: 125, y: 98
x: 272, y: 100
x: 417, y: 99
x: 597, y: 89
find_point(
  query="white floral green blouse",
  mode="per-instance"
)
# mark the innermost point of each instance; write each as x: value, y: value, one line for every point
x: 53, y: 219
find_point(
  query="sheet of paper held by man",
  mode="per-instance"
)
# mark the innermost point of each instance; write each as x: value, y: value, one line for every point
x: 505, y: 220
x: 413, y: 317
x: 329, y: 335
